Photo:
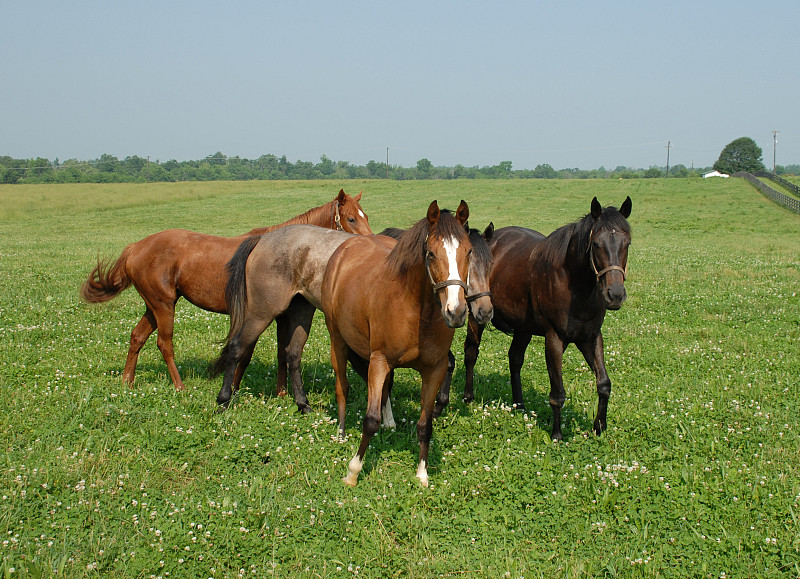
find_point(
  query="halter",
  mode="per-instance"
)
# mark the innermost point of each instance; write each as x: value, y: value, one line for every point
x: 336, y: 220
x: 602, y: 272
x: 443, y: 284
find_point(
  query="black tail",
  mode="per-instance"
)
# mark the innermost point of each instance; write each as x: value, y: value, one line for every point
x: 235, y: 297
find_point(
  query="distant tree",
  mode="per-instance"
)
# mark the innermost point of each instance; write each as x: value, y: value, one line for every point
x: 544, y: 171
x: 653, y: 173
x: 743, y: 154
x: 424, y: 167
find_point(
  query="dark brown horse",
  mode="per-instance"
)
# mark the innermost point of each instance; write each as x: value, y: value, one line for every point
x: 176, y: 262
x: 396, y: 304
x: 559, y: 287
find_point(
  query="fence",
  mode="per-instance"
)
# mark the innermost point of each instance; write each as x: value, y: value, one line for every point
x: 784, y: 200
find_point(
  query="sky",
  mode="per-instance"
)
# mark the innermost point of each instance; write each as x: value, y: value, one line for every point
x: 571, y: 83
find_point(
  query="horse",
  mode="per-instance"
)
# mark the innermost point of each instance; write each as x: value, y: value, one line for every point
x: 176, y: 262
x: 559, y: 287
x: 277, y: 276
x: 478, y: 298
x: 396, y: 304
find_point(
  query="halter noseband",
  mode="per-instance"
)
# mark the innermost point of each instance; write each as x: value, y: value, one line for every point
x: 336, y: 219
x: 602, y: 272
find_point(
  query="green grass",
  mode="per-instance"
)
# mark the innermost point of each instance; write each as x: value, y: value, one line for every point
x: 698, y: 474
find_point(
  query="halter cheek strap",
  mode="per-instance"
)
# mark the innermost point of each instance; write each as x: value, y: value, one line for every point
x: 336, y: 221
x: 602, y: 272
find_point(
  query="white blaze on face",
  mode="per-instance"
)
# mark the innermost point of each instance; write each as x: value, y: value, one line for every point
x: 361, y: 213
x: 451, y: 246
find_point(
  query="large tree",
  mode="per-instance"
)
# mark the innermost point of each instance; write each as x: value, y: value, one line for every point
x: 740, y: 155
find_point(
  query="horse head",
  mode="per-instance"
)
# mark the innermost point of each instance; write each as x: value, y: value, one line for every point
x: 480, y: 264
x: 607, y: 251
x: 349, y: 215
x: 447, y: 261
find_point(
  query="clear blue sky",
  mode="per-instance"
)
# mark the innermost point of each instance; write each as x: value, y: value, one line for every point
x: 569, y: 83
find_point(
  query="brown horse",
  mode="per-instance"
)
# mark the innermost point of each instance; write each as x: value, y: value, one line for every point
x: 176, y: 262
x: 396, y: 304
x: 478, y: 298
x: 559, y: 287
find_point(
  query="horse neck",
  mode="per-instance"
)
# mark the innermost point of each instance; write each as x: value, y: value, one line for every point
x: 577, y: 264
x: 321, y: 216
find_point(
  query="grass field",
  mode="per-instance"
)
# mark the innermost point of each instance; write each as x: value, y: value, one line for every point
x: 698, y: 474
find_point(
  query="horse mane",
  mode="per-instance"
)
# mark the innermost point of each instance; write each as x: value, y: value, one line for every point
x: 410, y: 248
x: 555, y: 246
x: 309, y: 217
x: 480, y: 249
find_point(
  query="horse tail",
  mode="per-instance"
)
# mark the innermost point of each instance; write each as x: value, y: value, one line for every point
x: 235, y: 298
x: 106, y: 281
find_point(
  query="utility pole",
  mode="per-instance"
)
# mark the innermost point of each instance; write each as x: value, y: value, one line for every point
x: 774, y: 147
x: 387, y: 162
x: 668, y: 146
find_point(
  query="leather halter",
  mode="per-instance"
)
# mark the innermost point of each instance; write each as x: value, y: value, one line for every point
x: 336, y: 220
x: 602, y: 272
x: 443, y: 284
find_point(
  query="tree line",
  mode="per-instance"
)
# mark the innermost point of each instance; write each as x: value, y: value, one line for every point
x: 219, y: 167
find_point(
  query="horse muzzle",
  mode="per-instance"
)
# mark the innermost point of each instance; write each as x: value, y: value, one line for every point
x: 614, y: 295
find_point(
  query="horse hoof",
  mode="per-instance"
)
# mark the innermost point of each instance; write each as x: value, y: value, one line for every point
x: 438, y: 409
x: 467, y: 399
x: 349, y: 482
x: 303, y: 408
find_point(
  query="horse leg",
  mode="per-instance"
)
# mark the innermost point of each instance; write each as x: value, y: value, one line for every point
x: 283, y: 343
x: 237, y: 353
x: 244, y: 362
x: 471, y: 347
x: 139, y: 335
x: 386, y: 401
x: 592, y: 351
x: 516, y: 357
x: 361, y: 367
x: 165, y: 320
x: 431, y: 382
x: 554, y: 348
x: 377, y: 376
x: 298, y: 319
x: 443, y: 398
x: 339, y: 352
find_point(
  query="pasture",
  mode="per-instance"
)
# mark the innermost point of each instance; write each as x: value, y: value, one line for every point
x: 698, y: 474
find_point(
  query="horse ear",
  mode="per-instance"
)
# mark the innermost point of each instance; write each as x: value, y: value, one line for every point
x: 488, y: 233
x: 462, y: 213
x: 433, y: 213
x: 625, y: 210
x: 342, y: 198
x: 597, y: 209
x: 357, y: 198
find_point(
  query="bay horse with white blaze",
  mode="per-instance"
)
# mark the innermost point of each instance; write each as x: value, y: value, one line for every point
x: 178, y: 263
x: 559, y: 287
x: 396, y: 304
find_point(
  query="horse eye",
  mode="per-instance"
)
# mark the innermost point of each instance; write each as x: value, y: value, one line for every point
x: 351, y: 219
x: 430, y: 255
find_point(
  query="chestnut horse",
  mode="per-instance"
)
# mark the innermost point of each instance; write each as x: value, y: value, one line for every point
x: 176, y: 262
x: 559, y: 287
x: 396, y: 304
